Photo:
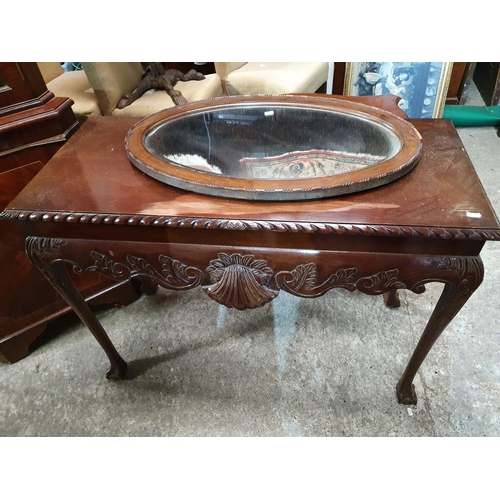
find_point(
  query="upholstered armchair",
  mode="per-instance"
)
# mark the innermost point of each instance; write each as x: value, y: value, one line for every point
x: 243, y: 78
x: 72, y: 84
x: 112, y: 80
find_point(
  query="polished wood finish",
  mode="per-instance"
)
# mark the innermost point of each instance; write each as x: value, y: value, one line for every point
x: 75, y: 184
x: 31, y: 132
x: 423, y: 227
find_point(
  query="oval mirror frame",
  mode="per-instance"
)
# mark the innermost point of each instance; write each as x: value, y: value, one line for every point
x: 271, y: 189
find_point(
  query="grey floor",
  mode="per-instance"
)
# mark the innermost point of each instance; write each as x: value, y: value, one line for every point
x: 296, y: 367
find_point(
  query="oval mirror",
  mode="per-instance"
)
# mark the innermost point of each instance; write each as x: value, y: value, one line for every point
x: 274, y: 147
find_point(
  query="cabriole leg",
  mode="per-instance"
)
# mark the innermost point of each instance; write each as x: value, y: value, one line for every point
x: 43, y: 253
x: 73, y: 297
x: 455, y: 294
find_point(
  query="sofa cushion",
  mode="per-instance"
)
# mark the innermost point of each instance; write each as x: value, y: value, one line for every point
x: 277, y: 78
x: 76, y: 86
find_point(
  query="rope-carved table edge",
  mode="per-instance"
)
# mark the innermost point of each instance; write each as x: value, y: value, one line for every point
x: 255, y: 225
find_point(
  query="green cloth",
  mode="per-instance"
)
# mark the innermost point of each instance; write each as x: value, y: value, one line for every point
x: 472, y: 116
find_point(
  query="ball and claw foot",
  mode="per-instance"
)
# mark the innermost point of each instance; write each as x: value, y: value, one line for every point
x: 406, y: 395
x: 117, y: 371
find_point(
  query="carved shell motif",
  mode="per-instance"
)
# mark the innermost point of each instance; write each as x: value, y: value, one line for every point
x: 240, y: 281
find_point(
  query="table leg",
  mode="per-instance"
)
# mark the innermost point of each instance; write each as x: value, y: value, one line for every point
x: 55, y: 271
x: 460, y: 274
x: 70, y: 293
x: 454, y: 296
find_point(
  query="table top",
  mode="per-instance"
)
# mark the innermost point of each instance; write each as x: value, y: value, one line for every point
x: 91, y: 180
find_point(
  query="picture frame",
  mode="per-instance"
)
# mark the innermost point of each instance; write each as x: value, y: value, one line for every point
x: 422, y: 86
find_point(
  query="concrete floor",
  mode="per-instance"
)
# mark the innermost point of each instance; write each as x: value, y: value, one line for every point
x: 295, y: 367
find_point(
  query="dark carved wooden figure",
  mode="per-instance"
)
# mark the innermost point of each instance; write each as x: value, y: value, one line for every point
x: 156, y: 77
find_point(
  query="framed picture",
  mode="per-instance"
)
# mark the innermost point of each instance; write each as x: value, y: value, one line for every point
x: 422, y: 86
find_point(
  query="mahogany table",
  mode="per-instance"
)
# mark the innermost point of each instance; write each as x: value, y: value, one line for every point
x: 90, y: 210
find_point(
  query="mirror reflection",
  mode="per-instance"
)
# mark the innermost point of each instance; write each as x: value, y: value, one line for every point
x: 275, y: 142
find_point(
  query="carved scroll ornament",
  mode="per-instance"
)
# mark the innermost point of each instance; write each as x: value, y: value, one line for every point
x: 173, y: 275
x: 302, y: 281
x: 245, y: 282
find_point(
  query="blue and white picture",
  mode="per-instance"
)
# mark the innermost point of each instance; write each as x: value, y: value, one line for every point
x: 422, y: 86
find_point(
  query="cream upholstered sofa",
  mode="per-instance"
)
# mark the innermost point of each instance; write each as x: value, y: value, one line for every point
x: 243, y: 78
x: 72, y: 84
x: 112, y: 80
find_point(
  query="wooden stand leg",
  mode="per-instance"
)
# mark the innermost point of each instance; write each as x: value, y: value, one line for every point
x: 145, y: 285
x: 391, y: 299
x: 453, y: 297
x: 38, y: 250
